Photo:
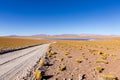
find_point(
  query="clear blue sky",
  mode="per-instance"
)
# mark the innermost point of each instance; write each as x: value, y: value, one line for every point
x: 29, y: 17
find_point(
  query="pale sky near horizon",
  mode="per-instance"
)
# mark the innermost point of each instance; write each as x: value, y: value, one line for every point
x: 31, y: 17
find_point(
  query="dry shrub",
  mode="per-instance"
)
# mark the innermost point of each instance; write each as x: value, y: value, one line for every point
x: 78, y: 61
x: 108, y: 77
x: 99, y: 69
x: 42, y: 62
x: 61, y: 68
x: 102, y: 61
x: 38, y: 75
x: 67, y: 53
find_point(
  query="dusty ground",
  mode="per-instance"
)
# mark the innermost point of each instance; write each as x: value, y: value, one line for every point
x: 85, y: 60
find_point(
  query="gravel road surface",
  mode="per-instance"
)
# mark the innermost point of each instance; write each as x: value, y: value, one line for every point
x: 15, y: 65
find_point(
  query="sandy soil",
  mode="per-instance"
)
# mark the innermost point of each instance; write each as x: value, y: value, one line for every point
x: 84, y: 60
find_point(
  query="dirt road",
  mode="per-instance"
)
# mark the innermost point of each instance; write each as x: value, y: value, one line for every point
x: 15, y: 65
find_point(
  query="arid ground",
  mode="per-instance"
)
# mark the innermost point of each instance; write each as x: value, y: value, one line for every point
x: 73, y: 60
x: 13, y: 43
x: 84, y: 60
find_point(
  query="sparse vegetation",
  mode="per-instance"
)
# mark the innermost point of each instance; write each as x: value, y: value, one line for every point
x: 62, y: 67
x: 15, y: 43
x: 38, y: 75
x: 102, y: 61
x: 109, y: 77
x: 95, y: 58
x: 67, y: 53
x: 42, y: 62
x: 103, y: 55
x: 78, y: 61
x: 99, y: 69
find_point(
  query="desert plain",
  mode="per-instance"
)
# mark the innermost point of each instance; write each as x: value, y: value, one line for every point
x: 75, y: 59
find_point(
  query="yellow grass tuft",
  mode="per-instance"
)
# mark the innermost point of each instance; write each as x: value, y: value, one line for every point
x: 108, y: 77
x: 113, y: 55
x: 102, y: 61
x: 42, y: 62
x: 78, y: 61
x: 103, y: 55
x: 99, y: 69
x: 67, y: 53
x: 53, y: 52
x: 60, y: 59
x: 58, y: 70
x: 49, y: 54
x: 61, y: 68
x: 38, y: 75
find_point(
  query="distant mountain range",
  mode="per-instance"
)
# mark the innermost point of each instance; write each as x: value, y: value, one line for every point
x: 46, y: 35
x: 74, y: 35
